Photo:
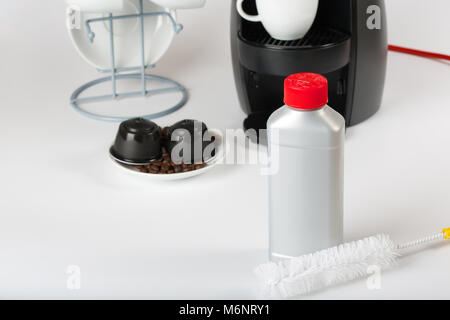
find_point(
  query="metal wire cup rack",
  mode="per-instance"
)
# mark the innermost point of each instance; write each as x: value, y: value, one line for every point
x: 118, y: 73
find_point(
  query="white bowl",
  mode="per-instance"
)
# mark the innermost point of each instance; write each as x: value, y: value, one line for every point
x: 99, y: 6
x: 180, y: 4
x: 158, y: 36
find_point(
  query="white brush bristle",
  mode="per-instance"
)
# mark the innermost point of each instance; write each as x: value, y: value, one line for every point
x: 328, y: 267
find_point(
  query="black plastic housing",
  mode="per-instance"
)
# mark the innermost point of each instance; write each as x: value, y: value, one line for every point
x: 187, y: 135
x: 137, y: 141
x: 340, y: 46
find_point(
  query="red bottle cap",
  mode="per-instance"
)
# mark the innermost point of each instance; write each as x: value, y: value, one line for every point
x: 306, y: 91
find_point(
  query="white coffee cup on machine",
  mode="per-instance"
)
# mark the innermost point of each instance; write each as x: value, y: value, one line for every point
x: 283, y: 19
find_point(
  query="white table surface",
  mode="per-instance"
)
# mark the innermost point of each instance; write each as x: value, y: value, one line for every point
x: 64, y: 203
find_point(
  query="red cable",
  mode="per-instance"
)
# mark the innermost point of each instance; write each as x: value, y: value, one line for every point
x: 419, y: 52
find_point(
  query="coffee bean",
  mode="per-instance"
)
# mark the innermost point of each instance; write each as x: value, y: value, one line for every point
x: 178, y: 169
x: 199, y: 166
x: 165, y: 165
x: 164, y: 132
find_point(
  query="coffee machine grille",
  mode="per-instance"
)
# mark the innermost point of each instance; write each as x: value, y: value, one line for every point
x: 318, y: 36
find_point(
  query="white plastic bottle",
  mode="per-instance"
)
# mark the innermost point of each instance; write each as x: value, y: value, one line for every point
x: 306, y: 148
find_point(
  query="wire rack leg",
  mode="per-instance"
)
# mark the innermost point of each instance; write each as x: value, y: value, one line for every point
x: 113, y: 55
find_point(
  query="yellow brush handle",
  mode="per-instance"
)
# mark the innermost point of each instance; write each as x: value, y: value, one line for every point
x: 446, y: 233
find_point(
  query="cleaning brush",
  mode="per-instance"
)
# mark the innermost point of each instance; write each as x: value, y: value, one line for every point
x: 349, y: 261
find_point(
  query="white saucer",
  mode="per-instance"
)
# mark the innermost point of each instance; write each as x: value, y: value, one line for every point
x: 158, y: 32
x: 181, y: 4
x: 210, y: 164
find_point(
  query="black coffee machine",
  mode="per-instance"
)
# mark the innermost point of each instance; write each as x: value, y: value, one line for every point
x: 347, y: 44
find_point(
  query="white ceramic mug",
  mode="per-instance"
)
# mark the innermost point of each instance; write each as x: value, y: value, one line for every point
x: 98, y: 6
x: 283, y: 19
x: 180, y: 4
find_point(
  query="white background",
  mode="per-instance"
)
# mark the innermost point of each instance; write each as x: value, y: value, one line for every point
x: 62, y: 201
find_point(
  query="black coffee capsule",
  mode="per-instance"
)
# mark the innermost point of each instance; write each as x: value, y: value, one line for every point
x: 138, y: 141
x: 187, y: 141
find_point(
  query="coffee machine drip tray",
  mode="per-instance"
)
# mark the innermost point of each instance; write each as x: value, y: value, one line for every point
x: 318, y: 36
